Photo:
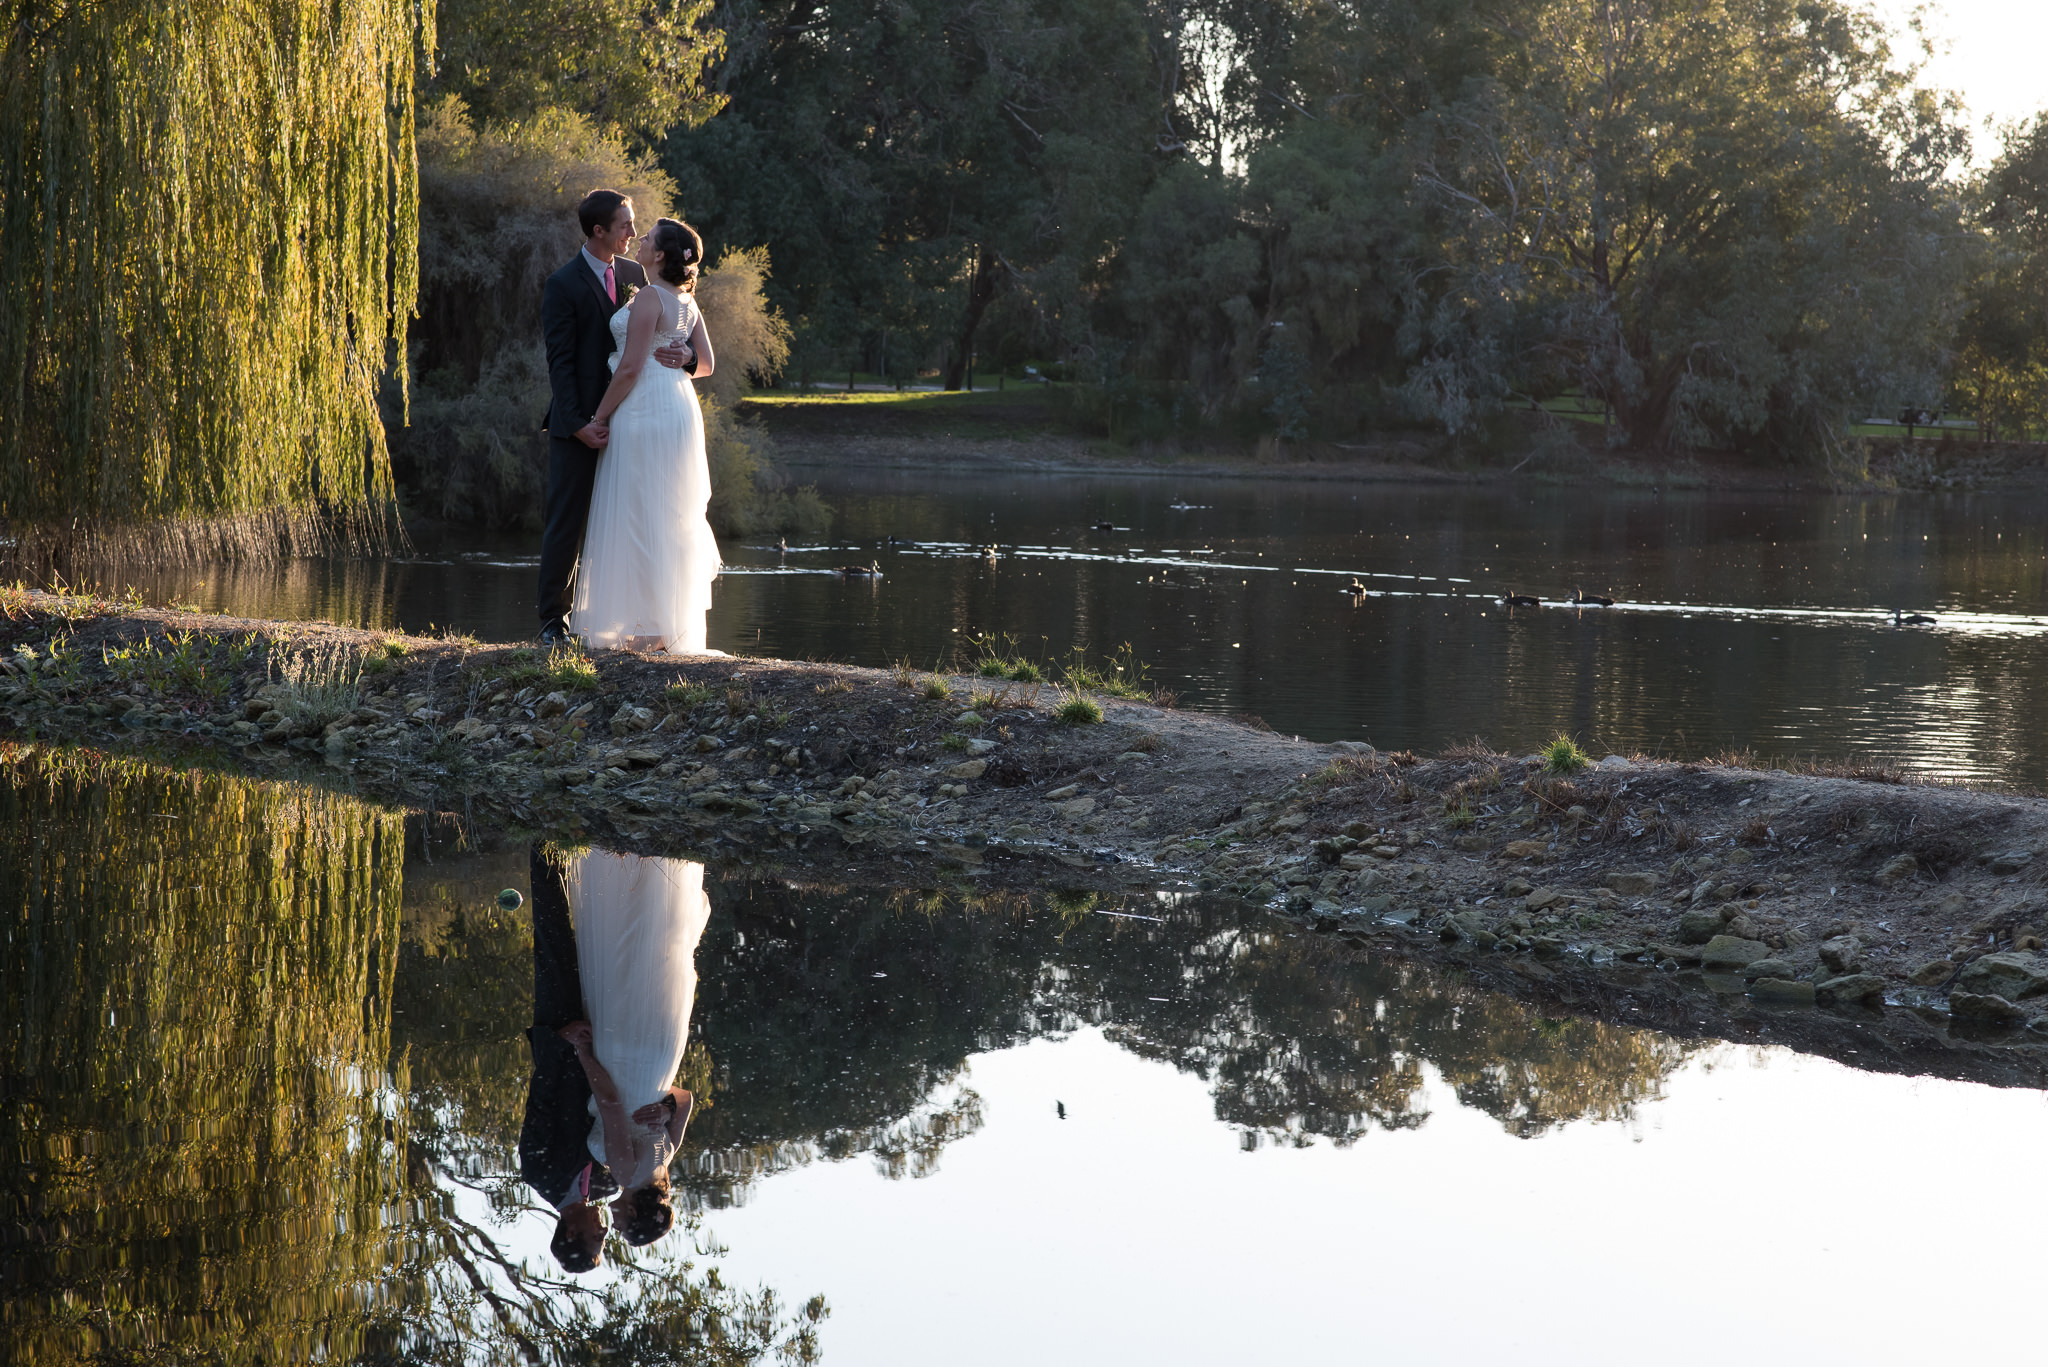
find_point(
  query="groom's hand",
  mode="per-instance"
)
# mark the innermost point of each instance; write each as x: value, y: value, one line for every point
x: 677, y: 357
x: 594, y: 435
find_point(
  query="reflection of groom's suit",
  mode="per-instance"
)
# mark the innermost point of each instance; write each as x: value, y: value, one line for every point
x: 553, y: 1145
x: 576, y: 321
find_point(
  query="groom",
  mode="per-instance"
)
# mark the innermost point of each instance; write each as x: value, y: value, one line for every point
x: 554, y: 1152
x: 576, y: 309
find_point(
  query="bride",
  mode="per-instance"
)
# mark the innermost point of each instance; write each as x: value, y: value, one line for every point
x: 638, y: 921
x: 648, y: 554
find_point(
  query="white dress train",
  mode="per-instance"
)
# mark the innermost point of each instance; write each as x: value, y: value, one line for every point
x: 638, y: 921
x: 648, y: 553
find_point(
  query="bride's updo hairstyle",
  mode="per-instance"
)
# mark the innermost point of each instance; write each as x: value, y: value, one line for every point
x: 648, y: 1214
x: 682, y: 252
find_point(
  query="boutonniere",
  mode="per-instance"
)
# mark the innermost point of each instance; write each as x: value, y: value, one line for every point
x: 631, y: 290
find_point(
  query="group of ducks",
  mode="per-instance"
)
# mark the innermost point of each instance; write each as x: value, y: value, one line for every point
x: 1356, y: 588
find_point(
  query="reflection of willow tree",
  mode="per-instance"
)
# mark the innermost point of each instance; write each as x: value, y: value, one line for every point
x: 202, y: 1160
x: 818, y: 1057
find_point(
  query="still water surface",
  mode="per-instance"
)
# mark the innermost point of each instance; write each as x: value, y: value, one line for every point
x: 266, y: 1079
x: 1741, y: 621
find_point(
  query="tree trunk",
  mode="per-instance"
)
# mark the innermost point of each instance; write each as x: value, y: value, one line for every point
x: 988, y: 279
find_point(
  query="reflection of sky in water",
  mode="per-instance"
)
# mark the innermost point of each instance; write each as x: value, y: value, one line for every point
x: 1789, y: 1205
x: 1741, y: 621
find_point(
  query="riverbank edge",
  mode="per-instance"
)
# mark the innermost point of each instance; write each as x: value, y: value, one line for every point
x: 1895, y: 925
x: 1897, y: 466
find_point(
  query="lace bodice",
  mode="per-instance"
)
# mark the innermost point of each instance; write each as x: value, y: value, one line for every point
x: 678, y: 318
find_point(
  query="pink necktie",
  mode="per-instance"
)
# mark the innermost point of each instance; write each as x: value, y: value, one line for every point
x: 609, y: 291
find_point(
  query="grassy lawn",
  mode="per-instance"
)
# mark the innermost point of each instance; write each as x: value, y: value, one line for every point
x: 985, y: 412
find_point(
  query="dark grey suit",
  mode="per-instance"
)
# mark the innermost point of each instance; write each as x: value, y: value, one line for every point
x: 575, y: 319
x: 554, y: 1137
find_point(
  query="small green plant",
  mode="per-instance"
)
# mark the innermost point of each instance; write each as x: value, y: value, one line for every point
x: 998, y: 657
x: 1461, y: 816
x: 955, y: 741
x: 740, y: 701
x: 1077, y: 709
x: 826, y: 690
x: 983, y: 701
x: 1120, y: 676
x: 56, y: 672
x: 395, y: 648
x: 570, y: 668
x: 685, y: 697
x: 937, y: 689
x: 905, y: 674
x: 375, y: 664
x: 1563, y: 756
x: 182, y: 662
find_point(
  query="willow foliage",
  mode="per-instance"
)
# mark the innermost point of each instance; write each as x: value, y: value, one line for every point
x: 208, y: 222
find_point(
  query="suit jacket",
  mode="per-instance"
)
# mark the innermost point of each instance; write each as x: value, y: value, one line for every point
x: 576, y: 321
x: 554, y: 1137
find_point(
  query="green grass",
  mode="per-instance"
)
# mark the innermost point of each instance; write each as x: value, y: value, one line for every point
x: 1120, y: 676
x: 179, y: 662
x: 1461, y: 816
x: 937, y: 689
x: 570, y: 668
x: 685, y: 697
x: 1563, y: 756
x: 955, y: 741
x: 1077, y: 709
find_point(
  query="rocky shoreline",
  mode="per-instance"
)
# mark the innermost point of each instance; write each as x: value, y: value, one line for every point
x: 1771, y: 902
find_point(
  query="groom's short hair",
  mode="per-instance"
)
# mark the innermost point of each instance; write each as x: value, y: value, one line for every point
x: 598, y: 209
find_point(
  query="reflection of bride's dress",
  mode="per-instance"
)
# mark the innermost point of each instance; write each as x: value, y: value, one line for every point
x: 638, y: 921
x: 649, y: 555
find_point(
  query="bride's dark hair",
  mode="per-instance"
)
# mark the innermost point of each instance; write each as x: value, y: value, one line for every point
x: 648, y: 1215
x: 682, y: 252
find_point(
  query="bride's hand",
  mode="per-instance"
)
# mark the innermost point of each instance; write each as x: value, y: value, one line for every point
x: 654, y: 1113
x: 676, y: 356
x: 577, y: 1033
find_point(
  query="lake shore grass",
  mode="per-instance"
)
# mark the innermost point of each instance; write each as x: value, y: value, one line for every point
x: 1849, y: 892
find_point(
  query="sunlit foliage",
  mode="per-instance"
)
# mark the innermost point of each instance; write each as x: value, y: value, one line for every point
x: 207, y: 260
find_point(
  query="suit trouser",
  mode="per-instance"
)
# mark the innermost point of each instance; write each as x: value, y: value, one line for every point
x: 572, y: 471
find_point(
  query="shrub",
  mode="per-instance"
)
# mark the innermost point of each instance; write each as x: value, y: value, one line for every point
x: 1077, y: 709
x: 1563, y: 756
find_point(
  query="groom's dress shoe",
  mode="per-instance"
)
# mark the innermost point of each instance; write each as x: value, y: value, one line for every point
x: 555, y: 634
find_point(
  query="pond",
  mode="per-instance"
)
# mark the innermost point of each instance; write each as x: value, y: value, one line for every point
x: 1741, y: 622
x: 269, y: 1096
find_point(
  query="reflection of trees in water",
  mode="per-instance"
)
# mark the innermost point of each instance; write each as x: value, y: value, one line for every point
x: 210, y: 1138
x: 205, y: 1157
x: 818, y: 1057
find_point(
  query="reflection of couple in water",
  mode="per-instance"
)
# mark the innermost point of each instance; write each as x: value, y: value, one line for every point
x: 612, y: 990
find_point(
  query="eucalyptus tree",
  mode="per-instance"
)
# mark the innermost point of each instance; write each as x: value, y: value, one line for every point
x: 909, y: 164
x: 2002, y: 345
x: 1726, y: 219
x: 207, y: 219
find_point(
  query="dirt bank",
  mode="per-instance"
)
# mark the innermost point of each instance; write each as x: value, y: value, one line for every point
x: 1917, y: 909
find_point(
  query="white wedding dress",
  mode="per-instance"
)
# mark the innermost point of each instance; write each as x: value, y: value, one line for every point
x: 648, y: 554
x: 638, y: 921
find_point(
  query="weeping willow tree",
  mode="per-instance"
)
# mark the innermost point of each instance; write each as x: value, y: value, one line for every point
x: 205, y: 1147
x: 208, y: 253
